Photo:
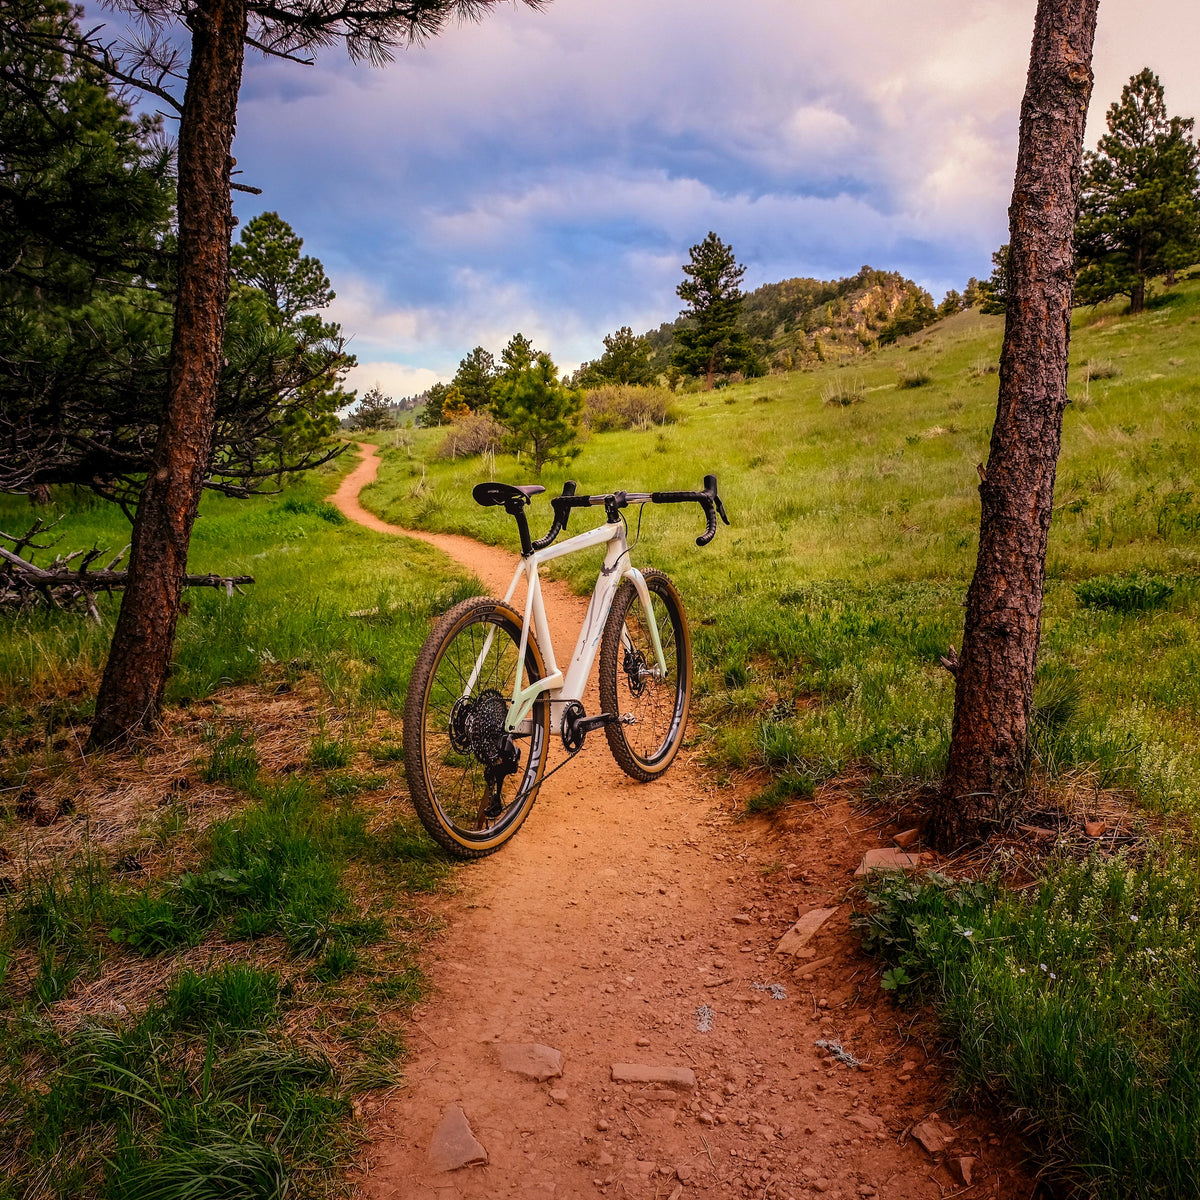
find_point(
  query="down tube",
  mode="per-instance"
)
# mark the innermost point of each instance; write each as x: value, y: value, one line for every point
x: 593, y: 623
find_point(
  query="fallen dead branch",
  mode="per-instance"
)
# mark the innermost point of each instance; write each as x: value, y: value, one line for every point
x: 71, y: 581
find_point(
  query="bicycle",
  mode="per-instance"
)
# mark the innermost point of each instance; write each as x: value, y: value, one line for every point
x: 487, y: 692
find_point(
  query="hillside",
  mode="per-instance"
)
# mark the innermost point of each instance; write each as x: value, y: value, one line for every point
x: 799, y: 323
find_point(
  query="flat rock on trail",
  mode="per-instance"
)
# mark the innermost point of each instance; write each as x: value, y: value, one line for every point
x: 636, y: 924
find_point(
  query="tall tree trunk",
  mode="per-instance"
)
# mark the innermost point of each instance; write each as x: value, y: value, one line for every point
x: 994, y: 678
x: 136, y: 673
x: 1137, y: 298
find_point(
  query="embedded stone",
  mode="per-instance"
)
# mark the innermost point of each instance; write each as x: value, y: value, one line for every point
x: 933, y: 1135
x: 454, y: 1144
x: 531, y: 1059
x: 681, y: 1078
x: 962, y: 1169
x: 803, y: 931
x: 888, y: 858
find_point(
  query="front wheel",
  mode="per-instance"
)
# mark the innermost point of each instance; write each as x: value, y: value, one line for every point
x: 471, y: 781
x: 651, y: 706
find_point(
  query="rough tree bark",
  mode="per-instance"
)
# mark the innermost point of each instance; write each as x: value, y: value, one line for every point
x: 135, y: 678
x: 995, y: 672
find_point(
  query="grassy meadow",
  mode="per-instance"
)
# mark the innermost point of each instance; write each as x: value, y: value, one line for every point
x: 820, y: 618
x: 821, y: 614
x: 204, y: 980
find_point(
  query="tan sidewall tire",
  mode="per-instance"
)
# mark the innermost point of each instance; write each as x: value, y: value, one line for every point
x: 610, y: 674
x: 421, y: 790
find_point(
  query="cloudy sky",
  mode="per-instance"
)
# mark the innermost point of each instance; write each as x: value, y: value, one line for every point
x: 547, y: 171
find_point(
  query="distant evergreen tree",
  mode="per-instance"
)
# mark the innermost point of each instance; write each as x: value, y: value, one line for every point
x: 951, y: 303
x: 476, y: 378
x: 431, y: 414
x: 540, y: 412
x: 374, y: 412
x: 972, y: 293
x: 1139, y: 214
x: 994, y: 291
x: 711, y: 342
x: 626, y: 359
x: 517, y: 356
x: 455, y: 405
x: 267, y: 257
x: 915, y: 311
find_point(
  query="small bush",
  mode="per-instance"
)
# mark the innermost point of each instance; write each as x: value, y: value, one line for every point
x: 843, y: 392
x: 1100, y: 368
x: 624, y: 406
x: 479, y: 433
x: 918, y: 377
x: 1125, y: 593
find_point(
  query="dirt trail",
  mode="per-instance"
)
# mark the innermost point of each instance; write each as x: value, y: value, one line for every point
x: 631, y: 923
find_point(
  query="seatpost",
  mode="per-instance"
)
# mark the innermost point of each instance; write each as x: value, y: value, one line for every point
x: 516, y: 508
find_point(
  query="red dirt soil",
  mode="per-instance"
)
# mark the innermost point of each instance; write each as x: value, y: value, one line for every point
x: 619, y: 918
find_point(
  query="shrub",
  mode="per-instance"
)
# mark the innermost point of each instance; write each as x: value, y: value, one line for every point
x: 624, y: 406
x: 918, y: 377
x: 844, y: 392
x: 478, y: 433
x: 1100, y: 368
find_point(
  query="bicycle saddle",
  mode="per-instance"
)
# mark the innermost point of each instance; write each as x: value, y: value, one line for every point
x: 491, y: 494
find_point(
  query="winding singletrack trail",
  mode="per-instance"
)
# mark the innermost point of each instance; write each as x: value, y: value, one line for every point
x: 637, y: 923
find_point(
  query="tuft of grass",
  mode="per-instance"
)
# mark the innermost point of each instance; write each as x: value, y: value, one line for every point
x: 782, y: 791
x: 914, y: 378
x: 235, y: 997
x: 1101, y: 368
x: 1125, y: 593
x: 234, y: 760
x: 329, y: 752
x: 841, y: 392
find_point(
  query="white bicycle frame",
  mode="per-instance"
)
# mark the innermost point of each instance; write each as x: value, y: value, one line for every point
x: 569, y: 686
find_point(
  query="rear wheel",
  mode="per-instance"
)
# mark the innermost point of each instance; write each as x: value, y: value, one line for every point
x: 471, y: 782
x: 652, y: 707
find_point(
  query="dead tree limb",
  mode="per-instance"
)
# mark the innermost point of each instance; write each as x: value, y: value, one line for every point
x: 70, y: 581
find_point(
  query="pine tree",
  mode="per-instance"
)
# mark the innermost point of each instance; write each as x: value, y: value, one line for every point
x: 374, y: 412
x: 267, y: 257
x: 517, y: 356
x: 1139, y: 214
x: 475, y: 378
x: 626, y: 359
x: 993, y: 693
x: 218, y: 32
x: 993, y: 292
x: 540, y: 412
x: 712, y: 342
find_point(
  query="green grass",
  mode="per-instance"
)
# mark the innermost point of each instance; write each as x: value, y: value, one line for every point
x: 312, y: 570
x: 202, y: 1088
x: 1077, y: 1005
